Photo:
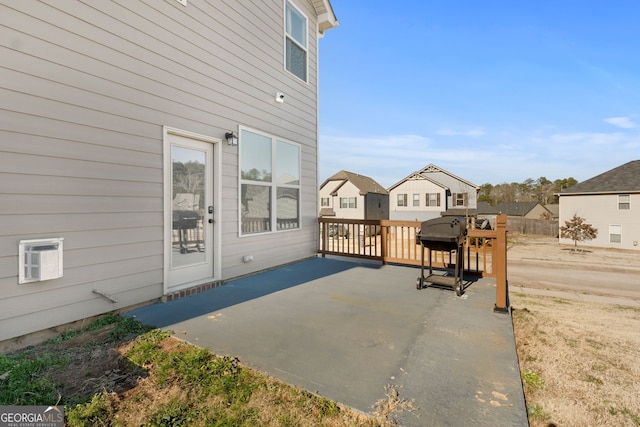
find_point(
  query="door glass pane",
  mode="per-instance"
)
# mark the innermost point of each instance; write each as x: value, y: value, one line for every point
x: 187, y: 209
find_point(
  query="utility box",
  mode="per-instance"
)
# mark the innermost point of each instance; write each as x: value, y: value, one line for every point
x: 39, y: 259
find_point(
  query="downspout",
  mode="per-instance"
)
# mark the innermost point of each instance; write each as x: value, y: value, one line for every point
x: 318, y: 35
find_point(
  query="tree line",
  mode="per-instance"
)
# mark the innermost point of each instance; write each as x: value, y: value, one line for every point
x: 540, y: 190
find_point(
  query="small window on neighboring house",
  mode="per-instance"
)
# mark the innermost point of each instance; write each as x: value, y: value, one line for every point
x: 624, y: 202
x: 416, y: 199
x: 402, y: 200
x: 348, y: 202
x: 295, y: 41
x: 433, y: 199
x: 324, y: 201
x: 459, y: 199
x: 615, y: 233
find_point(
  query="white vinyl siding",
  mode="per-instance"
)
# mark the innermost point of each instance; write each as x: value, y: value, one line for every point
x: 86, y: 91
x: 602, y: 211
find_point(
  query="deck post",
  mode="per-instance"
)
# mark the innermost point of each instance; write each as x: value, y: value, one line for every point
x: 500, y: 264
x: 383, y: 243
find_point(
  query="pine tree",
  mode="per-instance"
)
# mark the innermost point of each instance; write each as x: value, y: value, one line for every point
x: 577, y: 230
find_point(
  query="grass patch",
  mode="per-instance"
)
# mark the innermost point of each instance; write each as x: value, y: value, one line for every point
x: 118, y: 372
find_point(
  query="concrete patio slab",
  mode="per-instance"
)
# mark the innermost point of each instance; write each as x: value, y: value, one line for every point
x: 346, y: 329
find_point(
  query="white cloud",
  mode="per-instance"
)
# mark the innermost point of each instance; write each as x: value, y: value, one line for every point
x: 621, y: 122
x: 508, y: 157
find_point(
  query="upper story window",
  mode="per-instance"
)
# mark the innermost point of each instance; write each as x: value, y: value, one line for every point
x: 295, y: 41
x: 624, y: 201
x: 402, y: 200
x: 348, y: 202
x: 324, y: 201
x: 433, y: 199
x: 416, y: 199
x: 459, y: 199
x: 269, y: 183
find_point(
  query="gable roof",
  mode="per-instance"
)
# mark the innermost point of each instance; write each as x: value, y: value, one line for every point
x: 509, y: 208
x: 363, y: 183
x: 424, y: 174
x: 623, y: 179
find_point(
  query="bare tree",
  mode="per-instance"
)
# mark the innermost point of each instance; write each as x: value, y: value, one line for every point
x: 578, y: 230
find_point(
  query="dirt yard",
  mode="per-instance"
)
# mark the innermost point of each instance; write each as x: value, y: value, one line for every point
x: 579, y: 360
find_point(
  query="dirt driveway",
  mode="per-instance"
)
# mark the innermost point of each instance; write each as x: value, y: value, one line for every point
x: 541, y: 262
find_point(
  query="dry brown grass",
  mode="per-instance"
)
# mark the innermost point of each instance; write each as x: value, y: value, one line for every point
x: 580, y: 361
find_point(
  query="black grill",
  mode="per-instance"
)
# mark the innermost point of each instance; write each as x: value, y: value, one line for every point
x: 184, y: 221
x: 443, y: 234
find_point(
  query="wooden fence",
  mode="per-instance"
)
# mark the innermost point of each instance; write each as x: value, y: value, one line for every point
x: 395, y: 242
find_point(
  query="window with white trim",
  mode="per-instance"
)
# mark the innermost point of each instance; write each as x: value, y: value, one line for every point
x: 416, y: 199
x: 269, y: 183
x: 459, y: 199
x: 402, y: 200
x: 624, y: 202
x: 295, y: 41
x: 615, y: 233
x: 433, y: 199
x: 324, y: 201
x: 348, y: 202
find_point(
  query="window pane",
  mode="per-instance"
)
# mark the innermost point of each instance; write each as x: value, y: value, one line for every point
x: 288, y: 208
x: 296, y: 60
x: 256, y: 208
x: 296, y: 25
x: 287, y: 163
x: 255, y: 154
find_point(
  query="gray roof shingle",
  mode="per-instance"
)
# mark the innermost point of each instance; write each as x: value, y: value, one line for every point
x: 623, y: 179
x: 364, y: 183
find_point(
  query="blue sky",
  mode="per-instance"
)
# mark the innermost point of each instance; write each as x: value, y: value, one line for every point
x: 492, y: 91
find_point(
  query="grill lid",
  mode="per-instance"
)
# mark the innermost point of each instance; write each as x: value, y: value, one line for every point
x: 444, y: 229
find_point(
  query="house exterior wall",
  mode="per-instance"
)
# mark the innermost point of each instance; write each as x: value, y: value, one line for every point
x: 345, y: 191
x: 377, y: 206
x: 421, y: 212
x: 85, y: 91
x: 601, y: 211
x: 537, y: 212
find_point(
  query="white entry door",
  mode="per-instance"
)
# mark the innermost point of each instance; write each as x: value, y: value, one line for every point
x: 189, y: 225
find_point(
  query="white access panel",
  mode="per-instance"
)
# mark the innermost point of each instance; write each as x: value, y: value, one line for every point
x: 39, y: 259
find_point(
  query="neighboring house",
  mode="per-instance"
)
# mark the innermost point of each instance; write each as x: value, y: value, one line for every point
x: 554, y: 209
x: 609, y: 202
x: 430, y: 193
x: 352, y: 196
x: 150, y: 148
x: 529, y: 210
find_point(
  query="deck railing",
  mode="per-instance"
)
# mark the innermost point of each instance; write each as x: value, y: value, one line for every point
x: 395, y: 242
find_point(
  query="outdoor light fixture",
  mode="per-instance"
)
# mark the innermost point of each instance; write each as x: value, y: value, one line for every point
x: 232, y: 138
